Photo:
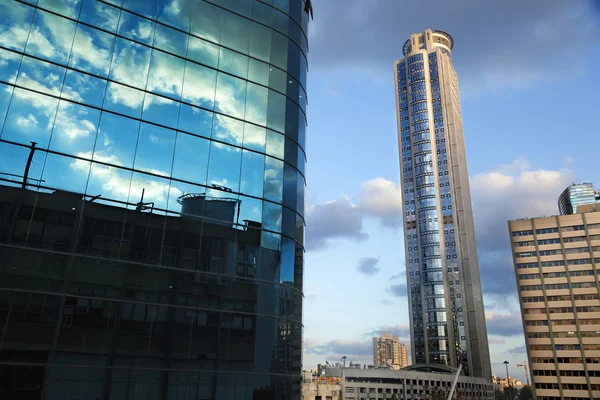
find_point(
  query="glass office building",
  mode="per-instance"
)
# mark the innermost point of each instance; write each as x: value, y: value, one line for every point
x: 444, y: 289
x: 577, y: 195
x: 152, y: 198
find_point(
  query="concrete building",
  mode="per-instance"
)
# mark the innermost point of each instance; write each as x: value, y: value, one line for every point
x: 444, y: 288
x: 315, y: 387
x: 556, y: 262
x: 501, y: 383
x: 413, y: 382
x: 133, y: 265
x: 577, y: 195
x: 389, y: 351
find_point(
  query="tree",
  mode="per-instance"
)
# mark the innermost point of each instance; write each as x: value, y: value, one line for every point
x: 526, y: 393
x: 394, y: 397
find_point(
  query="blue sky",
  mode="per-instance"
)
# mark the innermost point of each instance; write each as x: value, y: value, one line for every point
x: 528, y: 81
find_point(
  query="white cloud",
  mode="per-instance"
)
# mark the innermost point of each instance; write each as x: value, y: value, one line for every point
x: 28, y: 121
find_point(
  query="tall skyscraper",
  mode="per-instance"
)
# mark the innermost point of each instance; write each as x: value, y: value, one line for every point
x: 577, y: 195
x: 151, y: 199
x: 557, y: 264
x: 444, y: 289
x: 389, y: 351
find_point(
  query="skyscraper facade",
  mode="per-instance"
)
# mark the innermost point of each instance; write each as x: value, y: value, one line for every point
x: 557, y: 264
x: 389, y: 351
x: 152, y: 198
x: 577, y: 195
x: 444, y: 288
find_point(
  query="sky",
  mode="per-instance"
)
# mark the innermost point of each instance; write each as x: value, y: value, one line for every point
x: 528, y: 80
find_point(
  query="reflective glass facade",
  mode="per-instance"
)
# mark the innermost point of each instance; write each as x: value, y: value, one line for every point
x: 446, y: 307
x: 577, y: 195
x: 152, y: 198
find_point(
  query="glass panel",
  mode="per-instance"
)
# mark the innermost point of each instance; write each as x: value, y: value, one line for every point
x: 100, y: 15
x: 233, y: 63
x: 90, y: 90
x: 67, y: 8
x: 275, y: 144
x: 277, y: 79
x: 254, y: 137
x: 224, y: 166
x: 5, y: 95
x: 75, y: 129
x: 243, y: 7
x: 160, y: 110
x: 41, y: 76
x: 13, y: 162
x: 300, y: 192
x: 272, y: 221
x: 170, y: 40
x: 253, y: 167
x: 206, y: 21
x: 9, y: 65
x: 137, y: 28
x: 276, y: 111
x: 154, y: 190
x: 236, y: 32
x: 130, y: 63
x: 92, y: 50
x: 30, y: 118
x: 289, y: 187
x: 155, y: 150
x: 51, y: 37
x: 176, y: 13
x: 117, y: 139
x: 16, y: 19
x: 228, y: 129
x: 203, y: 52
x: 191, y: 158
x: 59, y: 173
x: 258, y: 72
x: 143, y: 7
x: 230, y: 98
x: 124, y: 100
x: 256, y: 104
x: 273, y: 183
x: 291, y: 152
x: 195, y: 120
x: 279, y: 50
x: 199, y: 85
x: 166, y: 75
x: 250, y: 210
x: 260, y: 42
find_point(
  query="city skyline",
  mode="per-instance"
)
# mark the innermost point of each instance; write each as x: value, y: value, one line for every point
x: 515, y: 122
x: 519, y: 118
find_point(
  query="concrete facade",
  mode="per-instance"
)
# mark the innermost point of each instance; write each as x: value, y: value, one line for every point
x: 556, y: 262
x: 444, y: 288
x: 414, y: 382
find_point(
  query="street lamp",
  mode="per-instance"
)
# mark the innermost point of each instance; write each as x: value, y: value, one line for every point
x: 507, y: 379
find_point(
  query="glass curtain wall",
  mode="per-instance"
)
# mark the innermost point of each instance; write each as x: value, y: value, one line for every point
x: 152, y: 198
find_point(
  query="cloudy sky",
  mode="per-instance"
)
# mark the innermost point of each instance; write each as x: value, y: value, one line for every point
x: 528, y: 80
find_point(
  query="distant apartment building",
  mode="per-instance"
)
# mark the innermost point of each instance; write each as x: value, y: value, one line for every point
x: 556, y: 262
x: 577, y: 195
x: 501, y: 383
x: 389, y: 351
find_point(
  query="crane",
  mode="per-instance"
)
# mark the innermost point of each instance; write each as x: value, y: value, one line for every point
x: 524, y: 365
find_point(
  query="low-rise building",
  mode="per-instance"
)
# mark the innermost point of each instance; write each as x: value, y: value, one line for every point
x: 501, y: 383
x: 413, y: 382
